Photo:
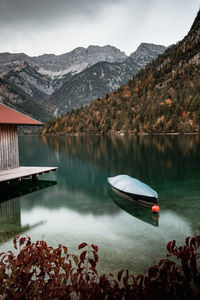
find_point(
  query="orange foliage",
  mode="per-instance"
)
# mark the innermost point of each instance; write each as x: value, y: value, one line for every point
x: 168, y: 102
x: 69, y: 129
x: 136, y: 90
x: 126, y: 93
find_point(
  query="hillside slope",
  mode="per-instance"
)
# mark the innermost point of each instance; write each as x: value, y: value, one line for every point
x: 163, y: 97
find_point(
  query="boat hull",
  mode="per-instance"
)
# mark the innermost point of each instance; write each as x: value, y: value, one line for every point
x: 143, y: 200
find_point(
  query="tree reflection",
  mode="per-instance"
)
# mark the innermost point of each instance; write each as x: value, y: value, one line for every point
x: 153, y: 159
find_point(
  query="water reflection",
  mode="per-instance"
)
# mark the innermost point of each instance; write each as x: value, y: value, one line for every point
x: 10, y: 220
x: 169, y: 164
x: 138, y: 211
x: 153, y: 158
x: 80, y: 207
x: 16, y: 189
x: 10, y: 206
x: 60, y: 197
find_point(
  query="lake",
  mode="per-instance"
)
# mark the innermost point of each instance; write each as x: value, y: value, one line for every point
x: 75, y: 204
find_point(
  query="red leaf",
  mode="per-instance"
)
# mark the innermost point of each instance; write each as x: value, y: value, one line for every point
x: 95, y: 248
x: 15, y: 241
x: 82, y: 245
x: 95, y: 256
x: 119, y: 275
x: 125, y: 281
x: 153, y: 271
x: 127, y: 273
x: 193, y: 242
x: 173, y: 244
x: 21, y: 241
x: 82, y: 256
x: 87, y: 277
x: 65, y: 250
x: 169, y: 246
x: 187, y: 240
x: 92, y: 262
x: 75, y: 259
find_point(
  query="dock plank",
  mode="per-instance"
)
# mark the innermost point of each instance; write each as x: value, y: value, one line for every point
x: 16, y: 173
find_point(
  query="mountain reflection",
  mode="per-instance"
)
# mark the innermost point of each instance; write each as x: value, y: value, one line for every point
x: 150, y: 158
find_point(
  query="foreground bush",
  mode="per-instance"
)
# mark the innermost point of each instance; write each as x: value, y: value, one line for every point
x: 42, y: 272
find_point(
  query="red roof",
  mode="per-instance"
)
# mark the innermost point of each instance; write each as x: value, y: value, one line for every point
x: 11, y: 116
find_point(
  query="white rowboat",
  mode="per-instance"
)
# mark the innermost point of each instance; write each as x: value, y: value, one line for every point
x: 133, y: 189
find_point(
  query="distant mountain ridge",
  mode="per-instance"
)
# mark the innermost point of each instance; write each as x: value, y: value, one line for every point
x: 60, y: 83
x: 146, y: 52
x: 101, y: 79
x: 79, y: 57
x: 163, y: 97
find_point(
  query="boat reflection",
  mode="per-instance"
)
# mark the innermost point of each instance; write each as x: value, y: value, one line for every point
x: 16, y: 189
x: 138, y: 211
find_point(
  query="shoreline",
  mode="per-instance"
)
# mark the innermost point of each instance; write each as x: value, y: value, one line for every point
x: 121, y: 134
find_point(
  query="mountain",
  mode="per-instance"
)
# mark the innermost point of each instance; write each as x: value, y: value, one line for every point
x: 12, y: 98
x: 27, y: 80
x: 60, y: 83
x: 30, y: 80
x: 91, y: 84
x: 145, y: 53
x: 72, y: 62
x: 101, y: 79
x: 79, y: 59
x: 25, y: 90
x: 162, y: 97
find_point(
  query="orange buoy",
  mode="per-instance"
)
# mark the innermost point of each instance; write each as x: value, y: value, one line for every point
x: 155, y: 208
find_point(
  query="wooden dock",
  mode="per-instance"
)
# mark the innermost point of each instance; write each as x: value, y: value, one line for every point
x: 24, y: 172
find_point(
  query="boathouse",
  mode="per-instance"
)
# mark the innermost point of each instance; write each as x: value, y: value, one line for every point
x: 9, y: 153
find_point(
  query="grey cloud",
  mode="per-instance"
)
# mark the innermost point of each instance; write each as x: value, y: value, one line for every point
x: 21, y: 11
x: 57, y: 26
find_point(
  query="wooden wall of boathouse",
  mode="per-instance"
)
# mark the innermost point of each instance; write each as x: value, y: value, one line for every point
x: 9, y: 155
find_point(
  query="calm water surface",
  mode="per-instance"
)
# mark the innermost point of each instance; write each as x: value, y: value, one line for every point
x: 75, y: 204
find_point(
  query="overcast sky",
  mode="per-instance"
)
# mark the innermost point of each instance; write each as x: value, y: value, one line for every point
x: 58, y: 26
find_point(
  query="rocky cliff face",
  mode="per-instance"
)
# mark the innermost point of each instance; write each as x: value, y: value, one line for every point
x: 92, y: 83
x: 24, y: 77
x: 145, y: 53
x: 13, y: 98
x: 61, y: 83
x: 79, y: 59
x: 75, y: 61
